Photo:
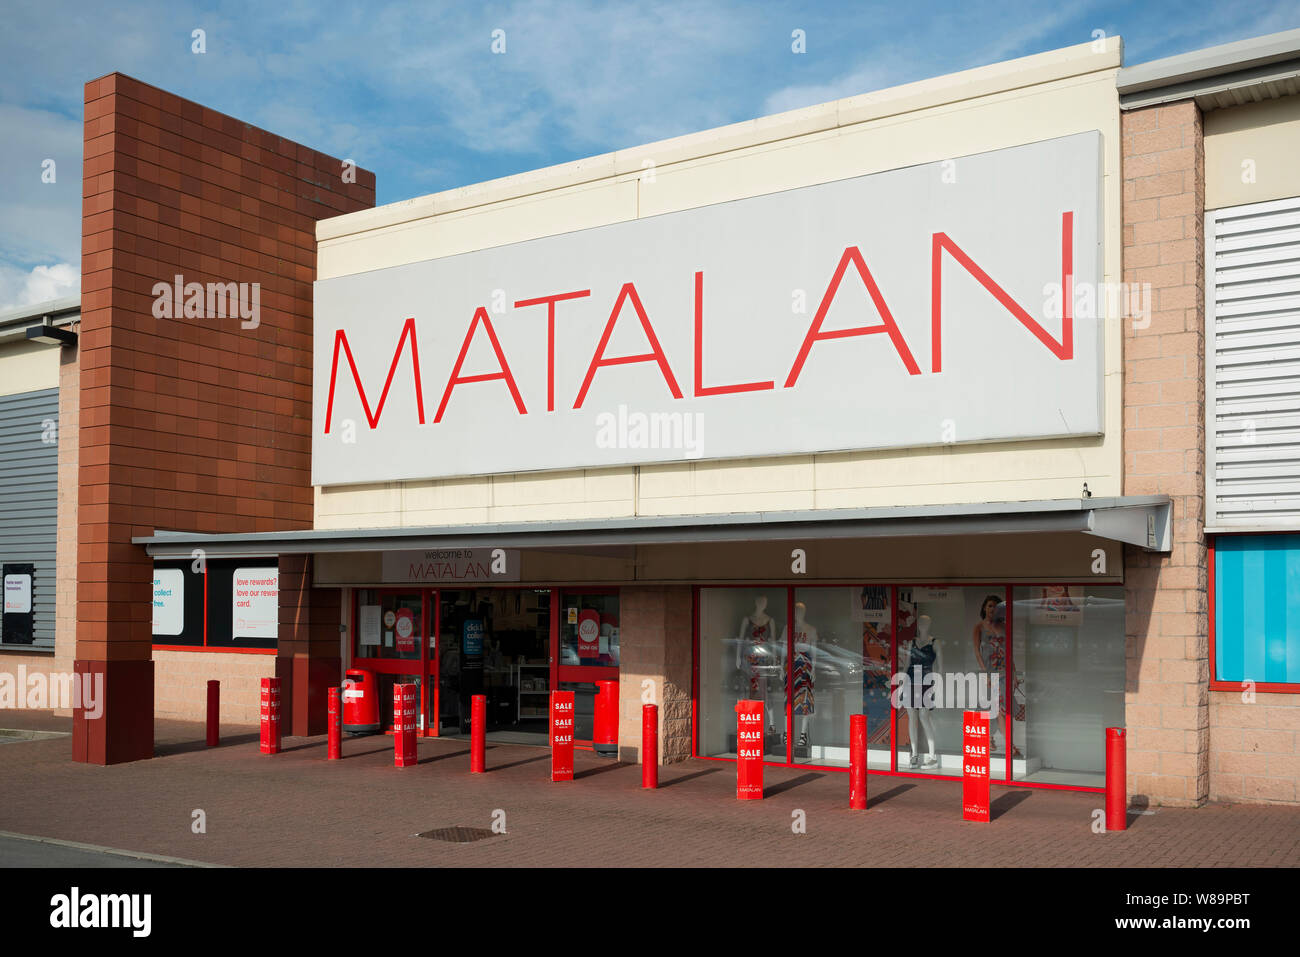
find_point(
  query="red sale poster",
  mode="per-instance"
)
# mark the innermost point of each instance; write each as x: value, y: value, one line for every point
x: 406, y: 698
x: 405, y: 628
x: 561, y: 735
x: 588, y: 633
x: 269, y: 712
x: 975, y: 766
x: 749, y: 750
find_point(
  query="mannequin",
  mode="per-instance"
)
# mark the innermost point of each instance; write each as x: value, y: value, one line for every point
x: 989, y: 636
x: 756, y: 654
x: 802, y: 703
x: 924, y: 659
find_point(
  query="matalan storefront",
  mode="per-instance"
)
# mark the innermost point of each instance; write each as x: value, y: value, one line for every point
x: 775, y: 411
x: 912, y: 383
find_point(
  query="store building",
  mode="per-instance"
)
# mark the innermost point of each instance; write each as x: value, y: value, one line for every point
x: 912, y: 380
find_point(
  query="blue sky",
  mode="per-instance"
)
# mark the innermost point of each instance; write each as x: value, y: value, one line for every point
x: 414, y: 92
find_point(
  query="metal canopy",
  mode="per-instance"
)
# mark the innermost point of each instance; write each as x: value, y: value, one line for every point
x: 1142, y: 520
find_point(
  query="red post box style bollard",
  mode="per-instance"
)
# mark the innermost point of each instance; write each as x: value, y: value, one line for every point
x: 605, y: 721
x: 404, y: 698
x: 858, y: 762
x: 214, y: 713
x: 478, y: 734
x: 650, y: 746
x: 561, y: 735
x: 1116, y: 780
x: 749, y: 750
x: 269, y: 712
x: 335, y: 729
x: 975, y: 766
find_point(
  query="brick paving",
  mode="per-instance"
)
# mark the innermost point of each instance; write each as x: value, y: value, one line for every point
x: 296, y: 808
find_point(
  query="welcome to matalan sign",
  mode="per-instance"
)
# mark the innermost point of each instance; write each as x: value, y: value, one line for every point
x: 907, y: 308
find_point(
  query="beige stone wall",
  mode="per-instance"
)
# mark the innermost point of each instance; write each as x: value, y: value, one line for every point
x: 181, y: 684
x: 655, y: 626
x: 1167, y: 699
x: 1253, y: 747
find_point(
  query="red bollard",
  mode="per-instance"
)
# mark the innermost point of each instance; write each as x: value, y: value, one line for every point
x: 1116, y: 780
x: 858, y: 762
x: 650, y: 746
x: 269, y: 712
x: 335, y: 725
x: 214, y: 713
x: 404, y: 699
x: 749, y: 750
x: 478, y: 734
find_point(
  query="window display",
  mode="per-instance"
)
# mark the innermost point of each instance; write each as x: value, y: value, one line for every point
x: 741, y: 658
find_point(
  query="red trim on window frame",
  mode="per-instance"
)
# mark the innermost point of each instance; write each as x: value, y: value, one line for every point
x: 1266, y: 687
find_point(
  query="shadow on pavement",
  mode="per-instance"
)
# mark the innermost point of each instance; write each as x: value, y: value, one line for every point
x: 876, y: 799
x: 1006, y: 802
x: 168, y: 748
x: 775, y: 789
x: 601, y: 769
x: 687, y: 777
x: 515, y: 764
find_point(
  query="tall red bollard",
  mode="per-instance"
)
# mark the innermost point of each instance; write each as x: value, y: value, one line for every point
x: 749, y: 750
x: 335, y: 725
x: 404, y: 698
x: 269, y: 712
x: 1116, y: 780
x: 214, y: 713
x: 650, y: 746
x: 561, y: 735
x: 858, y: 762
x: 478, y: 734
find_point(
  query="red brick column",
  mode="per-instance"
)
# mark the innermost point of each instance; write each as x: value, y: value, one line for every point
x: 192, y: 422
x: 1164, y: 452
x: 309, y: 658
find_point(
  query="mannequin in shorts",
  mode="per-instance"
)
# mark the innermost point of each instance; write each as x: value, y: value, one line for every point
x: 924, y: 659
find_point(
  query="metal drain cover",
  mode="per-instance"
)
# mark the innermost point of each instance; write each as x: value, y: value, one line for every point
x: 457, y: 835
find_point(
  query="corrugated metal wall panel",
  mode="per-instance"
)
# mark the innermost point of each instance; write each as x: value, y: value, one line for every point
x: 29, y: 495
x: 1253, y: 365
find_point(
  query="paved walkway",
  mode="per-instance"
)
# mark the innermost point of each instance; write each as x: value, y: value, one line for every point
x: 296, y: 808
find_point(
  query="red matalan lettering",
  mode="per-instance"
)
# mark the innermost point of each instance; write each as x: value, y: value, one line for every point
x: 480, y: 315
x: 656, y: 353
x: 341, y: 342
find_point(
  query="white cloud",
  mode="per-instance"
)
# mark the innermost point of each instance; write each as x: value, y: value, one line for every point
x: 41, y: 284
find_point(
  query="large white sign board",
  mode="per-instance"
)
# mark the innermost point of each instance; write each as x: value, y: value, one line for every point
x: 902, y: 309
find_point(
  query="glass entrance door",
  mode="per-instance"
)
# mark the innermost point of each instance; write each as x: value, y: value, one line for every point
x: 495, y: 642
x: 587, y: 633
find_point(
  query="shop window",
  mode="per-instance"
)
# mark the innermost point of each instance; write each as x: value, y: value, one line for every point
x: 741, y: 658
x: 589, y: 632
x: 1068, y: 684
x: 226, y: 603
x: 389, y: 625
x: 1256, y: 619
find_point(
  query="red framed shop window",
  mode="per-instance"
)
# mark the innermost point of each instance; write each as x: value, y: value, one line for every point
x: 1230, y: 597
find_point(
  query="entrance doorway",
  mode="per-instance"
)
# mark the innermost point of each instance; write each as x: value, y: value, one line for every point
x: 511, y: 645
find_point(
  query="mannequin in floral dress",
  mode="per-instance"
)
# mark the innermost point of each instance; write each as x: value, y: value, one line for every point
x: 802, y: 701
x: 757, y: 656
x: 989, y: 636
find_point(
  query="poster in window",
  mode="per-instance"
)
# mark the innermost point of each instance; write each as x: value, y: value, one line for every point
x: 168, y: 601
x: 256, y: 603
x: 1056, y: 605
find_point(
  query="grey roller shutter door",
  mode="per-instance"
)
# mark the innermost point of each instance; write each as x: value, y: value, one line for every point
x: 1252, y: 366
x: 29, y: 496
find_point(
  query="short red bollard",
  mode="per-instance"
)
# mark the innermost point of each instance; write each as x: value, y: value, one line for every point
x: 478, y: 734
x: 335, y: 725
x: 650, y: 746
x: 214, y: 713
x: 1116, y: 780
x: 404, y: 699
x: 858, y: 762
x: 269, y: 712
x: 975, y: 766
x: 561, y: 735
x: 749, y: 750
